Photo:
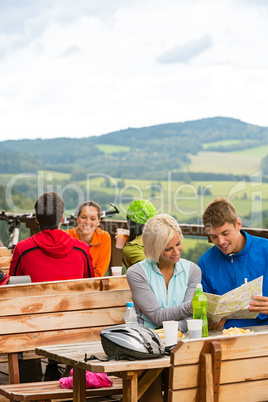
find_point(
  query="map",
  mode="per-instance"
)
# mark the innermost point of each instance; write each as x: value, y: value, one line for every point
x: 234, y: 304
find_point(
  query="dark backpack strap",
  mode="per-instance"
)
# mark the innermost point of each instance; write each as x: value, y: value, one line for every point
x: 115, y: 357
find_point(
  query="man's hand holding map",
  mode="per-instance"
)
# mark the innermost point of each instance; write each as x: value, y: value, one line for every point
x: 234, y: 304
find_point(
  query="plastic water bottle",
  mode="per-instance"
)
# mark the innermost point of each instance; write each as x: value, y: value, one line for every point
x: 199, y: 303
x: 130, y: 315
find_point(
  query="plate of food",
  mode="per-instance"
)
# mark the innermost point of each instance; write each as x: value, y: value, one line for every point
x: 160, y: 332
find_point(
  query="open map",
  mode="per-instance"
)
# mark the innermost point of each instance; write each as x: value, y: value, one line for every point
x: 234, y: 304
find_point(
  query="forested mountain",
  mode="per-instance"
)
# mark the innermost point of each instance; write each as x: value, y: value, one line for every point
x: 148, y: 152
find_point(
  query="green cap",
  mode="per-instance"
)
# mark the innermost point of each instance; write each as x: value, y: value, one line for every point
x: 140, y: 211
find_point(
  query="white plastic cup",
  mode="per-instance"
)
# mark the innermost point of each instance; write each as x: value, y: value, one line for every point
x: 122, y: 237
x: 195, y: 328
x: 171, y: 332
x: 116, y: 271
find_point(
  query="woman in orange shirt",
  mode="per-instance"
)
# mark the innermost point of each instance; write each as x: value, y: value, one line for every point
x: 88, y: 220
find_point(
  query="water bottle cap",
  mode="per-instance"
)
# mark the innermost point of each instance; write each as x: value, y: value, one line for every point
x: 199, y: 287
x: 130, y: 304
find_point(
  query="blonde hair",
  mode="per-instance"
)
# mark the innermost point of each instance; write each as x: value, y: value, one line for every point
x: 218, y: 212
x: 157, y: 233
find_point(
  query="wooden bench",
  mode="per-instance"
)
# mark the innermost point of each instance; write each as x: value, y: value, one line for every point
x: 42, y: 391
x: 59, y: 287
x: 5, y: 258
x: 51, y: 313
x: 224, y: 368
x: 66, y: 286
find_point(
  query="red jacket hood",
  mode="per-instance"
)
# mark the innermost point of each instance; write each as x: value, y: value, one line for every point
x: 55, y: 243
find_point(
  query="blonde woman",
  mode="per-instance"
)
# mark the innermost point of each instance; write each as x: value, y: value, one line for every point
x: 163, y: 284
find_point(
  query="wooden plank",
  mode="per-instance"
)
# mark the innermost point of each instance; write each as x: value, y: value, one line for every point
x: 187, y: 376
x: 63, y: 320
x: 28, y: 342
x: 245, y: 391
x: 244, y: 370
x: 29, y: 355
x: 79, y: 382
x: 5, y: 269
x: 4, y: 252
x: 251, y: 391
x: 130, y: 386
x: 231, y: 371
x: 206, y: 393
x: 118, y: 282
x: 3, y: 358
x: 185, y: 395
x: 184, y: 376
x: 63, y: 302
x: 67, y: 286
x: 71, y: 353
x: 13, y: 368
x: 233, y: 347
x: 146, y: 381
x: 48, y: 288
x: 53, y: 390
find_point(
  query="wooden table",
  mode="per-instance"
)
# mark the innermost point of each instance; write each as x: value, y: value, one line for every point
x: 74, y: 354
x: 133, y: 388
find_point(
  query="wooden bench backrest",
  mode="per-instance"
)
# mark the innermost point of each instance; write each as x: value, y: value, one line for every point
x: 67, y: 286
x: 31, y: 321
x: 243, y: 369
x: 5, y: 252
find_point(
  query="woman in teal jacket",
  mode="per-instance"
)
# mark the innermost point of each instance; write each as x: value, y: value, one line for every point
x: 163, y: 284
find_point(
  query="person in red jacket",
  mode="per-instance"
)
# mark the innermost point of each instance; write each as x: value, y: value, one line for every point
x: 52, y: 254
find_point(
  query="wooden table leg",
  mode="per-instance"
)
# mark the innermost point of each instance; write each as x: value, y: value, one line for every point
x: 79, y: 387
x: 146, y: 381
x: 13, y: 368
x: 130, y: 386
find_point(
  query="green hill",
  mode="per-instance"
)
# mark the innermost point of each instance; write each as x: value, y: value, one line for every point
x: 146, y: 153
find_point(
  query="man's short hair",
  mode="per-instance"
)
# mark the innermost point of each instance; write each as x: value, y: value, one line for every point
x: 49, y: 208
x: 157, y: 233
x: 218, y: 212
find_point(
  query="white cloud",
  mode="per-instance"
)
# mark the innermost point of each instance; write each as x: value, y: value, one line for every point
x: 85, y: 68
x: 187, y: 51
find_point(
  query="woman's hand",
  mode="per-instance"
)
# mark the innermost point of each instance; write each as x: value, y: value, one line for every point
x: 217, y: 325
x: 260, y: 304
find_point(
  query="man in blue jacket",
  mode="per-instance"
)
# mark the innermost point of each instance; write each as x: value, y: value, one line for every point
x: 235, y: 258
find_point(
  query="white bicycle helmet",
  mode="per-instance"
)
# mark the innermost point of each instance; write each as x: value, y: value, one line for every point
x: 136, y: 341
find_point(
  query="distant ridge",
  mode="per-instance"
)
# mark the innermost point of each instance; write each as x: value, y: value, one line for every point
x: 146, y: 152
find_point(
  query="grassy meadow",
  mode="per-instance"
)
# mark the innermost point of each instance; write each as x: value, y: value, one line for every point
x: 225, y: 143
x: 111, y: 149
x: 185, y: 201
x: 236, y: 163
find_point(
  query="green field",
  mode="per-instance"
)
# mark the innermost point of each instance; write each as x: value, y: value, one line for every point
x: 192, y: 243
x: 111, y: 149
x: 56, y: 175
x: 258, y: 152
x: 223, y: 162
x: 224, y: 143
x: 183, y: 200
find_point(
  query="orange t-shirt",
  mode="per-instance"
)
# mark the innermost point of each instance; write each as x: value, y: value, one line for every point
x: 100, y: 249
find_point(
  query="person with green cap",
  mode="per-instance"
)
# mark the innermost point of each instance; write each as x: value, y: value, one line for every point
x: 138, y: 213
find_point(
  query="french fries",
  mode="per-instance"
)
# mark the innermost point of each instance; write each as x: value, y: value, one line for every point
x: 236, y: 331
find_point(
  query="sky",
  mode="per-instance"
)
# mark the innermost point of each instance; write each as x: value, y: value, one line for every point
x: 78, y: 68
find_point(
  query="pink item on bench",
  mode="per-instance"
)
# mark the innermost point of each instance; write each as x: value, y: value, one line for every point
x: 93, y: 380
